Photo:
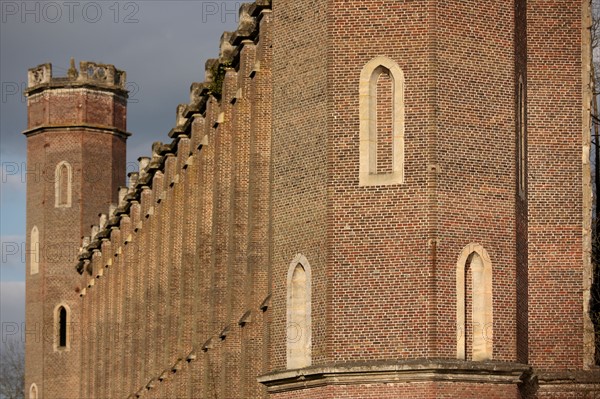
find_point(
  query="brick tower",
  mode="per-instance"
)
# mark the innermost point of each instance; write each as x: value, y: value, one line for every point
x: 437, y: 196
x: 76, y: 135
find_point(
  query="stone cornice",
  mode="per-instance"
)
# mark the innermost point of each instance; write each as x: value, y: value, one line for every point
x: 68, y: 85
x: 382, y: 372
x: 84, y: 126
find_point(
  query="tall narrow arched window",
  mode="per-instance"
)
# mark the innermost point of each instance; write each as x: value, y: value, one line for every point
x: 384, y: 140
x: 61, y: 329
x: 63, y: 178
x: 381, y: 115
x: 33, y: 391
x: 474, y: 313
x: 521, y: 138
x: 34, y: 251
x: 299, y: 330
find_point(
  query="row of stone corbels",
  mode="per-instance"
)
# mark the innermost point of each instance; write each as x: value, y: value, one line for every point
x: 212, y: 112
x: 138, y: 181
x: 230, y: 49
x: 163, y: 165
x: 193, y: 355
x: 231, y: 46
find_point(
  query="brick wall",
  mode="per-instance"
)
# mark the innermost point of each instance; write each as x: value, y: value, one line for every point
x: 554, y: 138
x: 300, y: 165
x: 380, y: 298
x: 183, y: 290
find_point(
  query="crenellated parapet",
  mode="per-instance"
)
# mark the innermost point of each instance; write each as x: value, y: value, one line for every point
x: 90, y: 73
x: 92, y: 98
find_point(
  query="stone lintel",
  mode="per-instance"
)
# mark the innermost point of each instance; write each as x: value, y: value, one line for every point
x: 85, y: 254
x: 145, y: 179
x: 103, y: 233
x: 223, y: 334
x: 113, y: 220
x: 191, y: 356
x: 177, y: 366
x: 225, y: 48
x: 384, y: 372
x: 160, y: 149
x: 246, y: 26
x: 164, y: 375
x: 95, y: 244
x: 198, y: 96
x: 133, y: 195
x: 157, y: 163
x: 209, y: 344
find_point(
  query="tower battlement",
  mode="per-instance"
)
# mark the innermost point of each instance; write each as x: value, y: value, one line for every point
x: 90, y: 73
x: 93, y: 97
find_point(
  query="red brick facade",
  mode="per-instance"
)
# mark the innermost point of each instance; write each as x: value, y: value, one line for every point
x: 391, y: 193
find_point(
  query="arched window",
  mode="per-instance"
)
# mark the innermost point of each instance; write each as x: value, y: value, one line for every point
x: 299, y: 330
x: 381, y: 114
x: 62, y: 321
x: 33, y: 391
x: 34, y: 251
x: 474, y: 314
x: 63, y: 177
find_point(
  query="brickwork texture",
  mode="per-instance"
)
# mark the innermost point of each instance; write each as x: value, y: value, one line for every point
x: 457, y: 266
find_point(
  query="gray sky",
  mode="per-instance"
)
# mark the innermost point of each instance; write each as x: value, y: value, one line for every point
x: 162, y: 45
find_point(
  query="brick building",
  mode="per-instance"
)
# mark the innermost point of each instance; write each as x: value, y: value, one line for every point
x: 363, y: 199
